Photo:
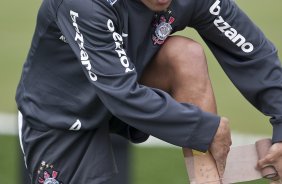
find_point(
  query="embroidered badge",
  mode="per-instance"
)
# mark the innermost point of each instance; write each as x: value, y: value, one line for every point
x: 47, y: 174
x: 163, y: 29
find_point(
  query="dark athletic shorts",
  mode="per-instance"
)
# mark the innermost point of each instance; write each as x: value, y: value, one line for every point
x: 67, y: 157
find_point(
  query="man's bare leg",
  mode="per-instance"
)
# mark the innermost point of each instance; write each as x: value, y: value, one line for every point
x: 180, y: 69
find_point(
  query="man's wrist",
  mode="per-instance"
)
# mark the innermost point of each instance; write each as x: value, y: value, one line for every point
x: 204, y: 133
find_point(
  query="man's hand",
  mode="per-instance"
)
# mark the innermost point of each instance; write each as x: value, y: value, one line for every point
x: 221, y: 145
x: 274, y: 158
x: 275, y: 182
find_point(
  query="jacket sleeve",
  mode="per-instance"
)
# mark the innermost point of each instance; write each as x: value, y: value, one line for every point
x: 128, y: 132
x: 93, y: 32
x: 249, y: 59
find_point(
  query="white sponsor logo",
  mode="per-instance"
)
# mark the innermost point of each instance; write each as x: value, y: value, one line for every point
x: 76, y: 126
x: 125, y: 35
x: 83, y: 53
x: 112, y: 2
x: 119, y: 42
x: 230, y: 32
x: 63, y: 38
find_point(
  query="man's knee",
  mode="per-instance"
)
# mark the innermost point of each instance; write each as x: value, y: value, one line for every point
x: 185, y: 57
x: 182, y: 48
x: 180, y: 62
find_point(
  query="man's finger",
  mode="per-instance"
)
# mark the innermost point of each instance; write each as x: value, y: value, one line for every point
x: 221, y: 162
x: 278, y: 167
x: 266, y: 161
x: 220, y: 167
x: 276, y: 182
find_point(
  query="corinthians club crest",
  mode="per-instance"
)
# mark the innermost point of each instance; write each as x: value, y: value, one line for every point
x: 163, y: 29
x: 47, y: 174
x: 48, y: 179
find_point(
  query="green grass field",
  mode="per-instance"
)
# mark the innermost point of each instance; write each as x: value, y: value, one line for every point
x: 151, y: 165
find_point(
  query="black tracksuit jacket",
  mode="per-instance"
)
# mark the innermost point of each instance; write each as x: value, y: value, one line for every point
x: 86, y: 57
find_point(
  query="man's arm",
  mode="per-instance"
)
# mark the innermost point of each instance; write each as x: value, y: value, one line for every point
x: 249, y: 59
